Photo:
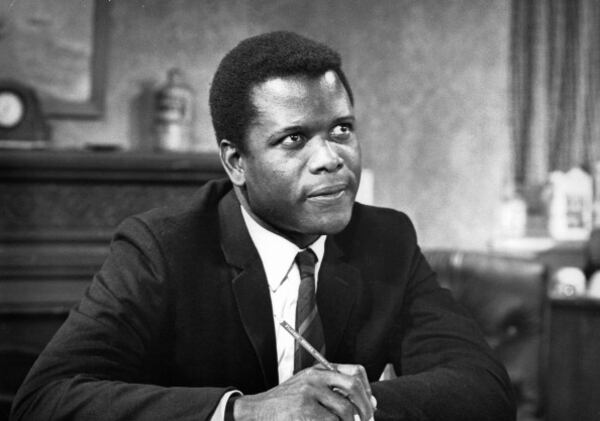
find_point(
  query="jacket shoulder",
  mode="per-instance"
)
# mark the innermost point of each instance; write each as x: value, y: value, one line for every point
x: 374, y: 220
x: 176, y: 222
x: 375, y: 229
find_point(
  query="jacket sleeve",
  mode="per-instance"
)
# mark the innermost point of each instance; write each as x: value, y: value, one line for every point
x: 446, y: 370
x: 105, y: 362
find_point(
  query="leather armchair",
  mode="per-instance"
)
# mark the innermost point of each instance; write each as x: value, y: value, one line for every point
x: 506, y: 296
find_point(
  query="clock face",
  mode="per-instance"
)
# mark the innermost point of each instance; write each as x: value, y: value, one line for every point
x: 12, y: 109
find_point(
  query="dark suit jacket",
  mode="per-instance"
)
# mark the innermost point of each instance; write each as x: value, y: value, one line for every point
x: 180, y: 312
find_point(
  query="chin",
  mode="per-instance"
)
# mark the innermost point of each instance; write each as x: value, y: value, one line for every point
x: 333, y: 224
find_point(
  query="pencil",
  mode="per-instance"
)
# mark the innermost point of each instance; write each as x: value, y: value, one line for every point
x: 306, y: 345
x: 316, y: 354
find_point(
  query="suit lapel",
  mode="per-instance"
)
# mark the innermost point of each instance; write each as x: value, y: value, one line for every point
x: 336, y: 294
x: 250, y: 287
x: 337, y: 291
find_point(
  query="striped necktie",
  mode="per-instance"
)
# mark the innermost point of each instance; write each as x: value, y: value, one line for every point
x: 308, y: 322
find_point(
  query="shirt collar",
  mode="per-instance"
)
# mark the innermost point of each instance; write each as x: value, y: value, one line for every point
x: 277, y: 253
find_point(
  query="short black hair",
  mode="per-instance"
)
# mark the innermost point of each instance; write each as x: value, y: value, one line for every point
x: 253, y: 61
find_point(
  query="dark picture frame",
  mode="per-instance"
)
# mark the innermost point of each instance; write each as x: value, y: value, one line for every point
x: 92, y: 104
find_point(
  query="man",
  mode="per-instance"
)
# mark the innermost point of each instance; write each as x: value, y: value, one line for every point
x: 180, y: 322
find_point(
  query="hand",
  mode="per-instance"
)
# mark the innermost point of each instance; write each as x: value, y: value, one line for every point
x: 358, y: 371
x: 312, y: 394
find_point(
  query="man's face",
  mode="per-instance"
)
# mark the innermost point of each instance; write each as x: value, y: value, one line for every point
x: 302, y: 158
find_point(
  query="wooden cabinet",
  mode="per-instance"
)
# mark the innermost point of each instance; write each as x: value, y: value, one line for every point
x: 573, y: 375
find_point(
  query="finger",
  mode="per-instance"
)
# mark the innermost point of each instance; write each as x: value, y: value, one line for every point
x: 337, y: 403
x: 359, y: 370
x: 353, y: 389
x: 364, y: 402
x: 337, y: 399
x: 355, y: 412
x: 355, y: 370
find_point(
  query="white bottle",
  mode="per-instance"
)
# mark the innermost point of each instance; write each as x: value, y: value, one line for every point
x: 570, y: 205
x: 513, y: 214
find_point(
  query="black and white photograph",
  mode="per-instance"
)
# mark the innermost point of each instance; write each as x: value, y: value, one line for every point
x: 355, y: 210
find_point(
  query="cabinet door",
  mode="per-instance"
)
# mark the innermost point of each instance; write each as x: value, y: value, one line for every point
x: 573, y: 375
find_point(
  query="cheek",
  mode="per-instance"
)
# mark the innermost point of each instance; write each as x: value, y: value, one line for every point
x: 270, y: 186
x: 279, y: 174
x: 352, y: 158
x: 257, y: 171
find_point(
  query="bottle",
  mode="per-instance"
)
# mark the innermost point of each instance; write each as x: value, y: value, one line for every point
x: 570, y: 205
x: 513, y: 213
x: 173, y: 113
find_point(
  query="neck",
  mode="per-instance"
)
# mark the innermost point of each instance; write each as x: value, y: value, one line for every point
x: 299, y: 239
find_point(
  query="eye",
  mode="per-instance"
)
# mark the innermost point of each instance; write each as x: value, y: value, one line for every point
x: 342, y: 132
x: 292, y: 140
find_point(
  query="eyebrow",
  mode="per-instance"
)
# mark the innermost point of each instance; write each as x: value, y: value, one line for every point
x: 337, y: 120
x: 349, y: 117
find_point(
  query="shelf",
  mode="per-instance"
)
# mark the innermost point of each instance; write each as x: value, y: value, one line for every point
x: 86, y: 166
x: 583, y: 303
x: 533, y: 245
x: 553, y: 253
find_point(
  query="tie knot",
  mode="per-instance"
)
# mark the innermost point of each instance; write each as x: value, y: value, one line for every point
x: 306, y: 259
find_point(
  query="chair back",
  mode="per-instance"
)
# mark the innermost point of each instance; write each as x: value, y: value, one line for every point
x: 507, y: 297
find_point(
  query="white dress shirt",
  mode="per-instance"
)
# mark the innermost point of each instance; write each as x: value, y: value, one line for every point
x: 277, y: 255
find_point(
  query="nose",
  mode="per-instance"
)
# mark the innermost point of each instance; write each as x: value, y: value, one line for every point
x: 324, y: 157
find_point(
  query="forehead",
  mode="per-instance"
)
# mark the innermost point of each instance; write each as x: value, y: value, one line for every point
x: 300, y: 96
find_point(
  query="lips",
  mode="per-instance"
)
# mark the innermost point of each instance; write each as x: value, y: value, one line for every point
x: 330, y: 191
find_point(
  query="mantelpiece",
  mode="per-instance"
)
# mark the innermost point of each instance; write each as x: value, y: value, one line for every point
x: 58, y: 210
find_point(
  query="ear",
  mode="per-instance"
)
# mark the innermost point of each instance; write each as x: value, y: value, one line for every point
x: 233, y: 162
